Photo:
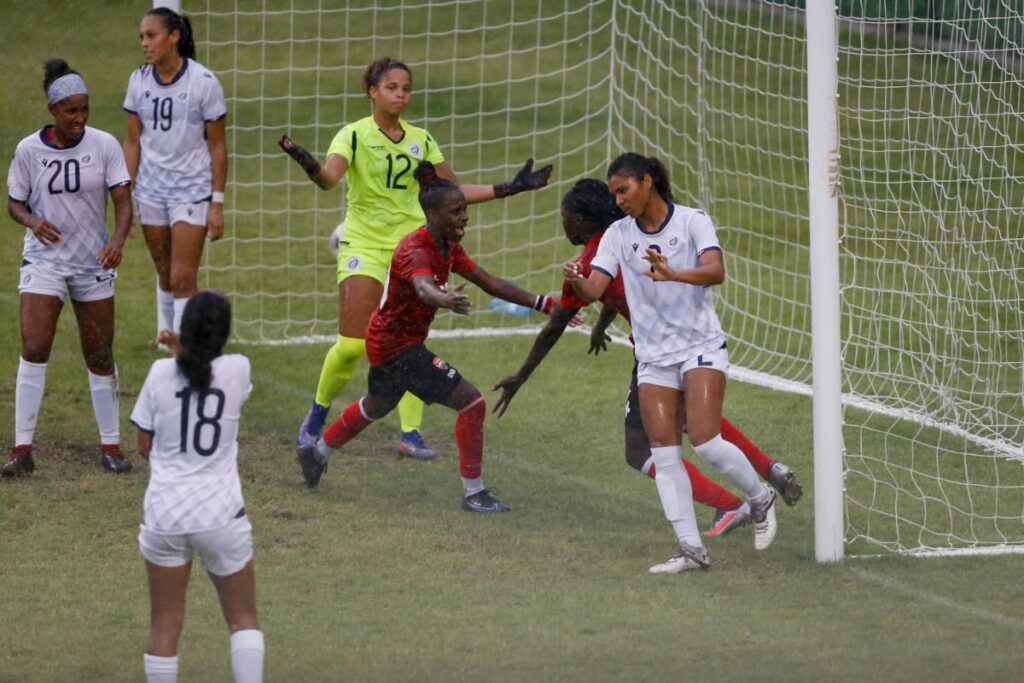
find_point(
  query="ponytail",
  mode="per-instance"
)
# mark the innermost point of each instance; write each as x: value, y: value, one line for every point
x: 637, y: 166
x: 180, y: 23
x: 433, y: 188
x: 205, y: 327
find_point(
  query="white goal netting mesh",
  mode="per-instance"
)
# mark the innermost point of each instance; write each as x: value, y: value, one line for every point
x: 932, y: 237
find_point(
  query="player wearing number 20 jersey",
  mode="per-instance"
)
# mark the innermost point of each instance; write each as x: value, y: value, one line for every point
x: 382, y: 196
x: 174, y: 167
x: 68, y: 186
x: 193, y: 485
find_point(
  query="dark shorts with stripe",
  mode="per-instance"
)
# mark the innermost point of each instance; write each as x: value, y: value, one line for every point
x: 633, y: 403
x: 416, y: 370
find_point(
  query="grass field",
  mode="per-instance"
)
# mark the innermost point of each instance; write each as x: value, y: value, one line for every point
x: 378, y: 576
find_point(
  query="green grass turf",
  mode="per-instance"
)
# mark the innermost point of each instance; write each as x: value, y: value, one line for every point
x: 379, y: 576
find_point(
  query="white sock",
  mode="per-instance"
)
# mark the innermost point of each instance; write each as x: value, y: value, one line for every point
x: 179, y: 310
x: 676, y: 494
x: 28, y: 397
x: 105, y: 406
x: 165, y: 304
x: 247, y: 650
x: 730, y: 461
x: 471, y: 486
x: 161, y: 669
x: 323, y: 450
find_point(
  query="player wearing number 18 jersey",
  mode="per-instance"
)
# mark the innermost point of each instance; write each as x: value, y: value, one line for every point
x: 378, y: 154
x: 187, y: 414
x: 58, y: 185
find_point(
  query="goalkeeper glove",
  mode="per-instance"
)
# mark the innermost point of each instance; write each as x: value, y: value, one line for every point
x: 526, y: 179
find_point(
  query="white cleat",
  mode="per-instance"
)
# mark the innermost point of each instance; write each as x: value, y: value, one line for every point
x: 687, y: 557
x: 765, y: 524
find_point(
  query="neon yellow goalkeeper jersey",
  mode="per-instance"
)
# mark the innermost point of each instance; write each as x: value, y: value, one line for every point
x: 383, y: 204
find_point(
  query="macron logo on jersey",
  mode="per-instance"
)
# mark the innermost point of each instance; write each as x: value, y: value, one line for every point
x: 636, y: 245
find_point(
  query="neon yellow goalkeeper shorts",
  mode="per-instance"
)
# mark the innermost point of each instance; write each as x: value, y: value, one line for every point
x: 353, y: 260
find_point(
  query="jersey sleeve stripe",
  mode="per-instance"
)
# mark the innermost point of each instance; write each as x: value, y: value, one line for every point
x: 217, y: 118
x: 702, y: 251
x: 142, y: 429
x: 123, y: 183
x: 130, y: 111
x: 601, y: 270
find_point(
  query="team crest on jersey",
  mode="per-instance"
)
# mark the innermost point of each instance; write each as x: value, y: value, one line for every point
x: 182, y: 96
x: 672, y: 242
x: 414, y: 150
x: 354, y: 264
x: 440, y: 364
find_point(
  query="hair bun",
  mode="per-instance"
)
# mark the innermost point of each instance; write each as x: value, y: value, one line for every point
x: 425, y: 173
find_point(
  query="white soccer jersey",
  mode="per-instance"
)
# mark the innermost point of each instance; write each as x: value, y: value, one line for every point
x: 175, y: 163
x: 671, y: 321
x: 193, y: 481
x: 69, y: 188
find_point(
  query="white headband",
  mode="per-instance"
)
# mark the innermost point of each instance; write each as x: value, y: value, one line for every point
x: 66, y: 86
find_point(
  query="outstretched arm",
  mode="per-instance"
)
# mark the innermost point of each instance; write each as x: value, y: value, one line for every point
x: 326, y: 176
x: 509, y: 291
x: 432, y: 295
x: 589, y: 288
x: 525, y: 179
x: 545, y: 341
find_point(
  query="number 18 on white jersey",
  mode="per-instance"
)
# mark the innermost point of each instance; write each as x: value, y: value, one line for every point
x: 193, y: 484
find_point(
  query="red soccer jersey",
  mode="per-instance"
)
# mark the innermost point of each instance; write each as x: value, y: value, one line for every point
x: 403, y: 320
x: 614, y: 295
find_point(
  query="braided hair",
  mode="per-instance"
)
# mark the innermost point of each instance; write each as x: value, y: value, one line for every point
x: 378, y: 68
x: 433, y: 188
x: 180, y: 23
x: 590, y: 200
x: 637, y: 166
x: 205, y: 327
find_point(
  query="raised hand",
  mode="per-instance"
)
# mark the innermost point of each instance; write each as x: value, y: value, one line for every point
x: 526, y: 179
x: 459, y: 302
x: 310, y: 165
x: 660, y: 270
x: 572, y: 271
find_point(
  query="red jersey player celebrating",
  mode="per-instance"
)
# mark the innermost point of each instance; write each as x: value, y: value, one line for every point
x: 587, y: 210
x: 399, y: 361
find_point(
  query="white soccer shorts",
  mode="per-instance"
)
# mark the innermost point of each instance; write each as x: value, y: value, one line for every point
x: 671, y: 376
x: 166, y: 215
x: 224, y: 551
x: 92, y: 285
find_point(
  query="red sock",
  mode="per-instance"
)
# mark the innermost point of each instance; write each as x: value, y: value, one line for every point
x: 761, y: 462
x: 706, y: 491
x: 346, y: 427
x: 469, y: 438
x: 709, y: 492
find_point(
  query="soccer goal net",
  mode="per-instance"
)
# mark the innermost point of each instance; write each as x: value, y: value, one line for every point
x: 931, y: 196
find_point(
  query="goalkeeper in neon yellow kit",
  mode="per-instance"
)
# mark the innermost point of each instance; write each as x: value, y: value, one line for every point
x: 379, y: 153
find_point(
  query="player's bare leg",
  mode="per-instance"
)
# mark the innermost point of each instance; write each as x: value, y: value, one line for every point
x: 237, y: 594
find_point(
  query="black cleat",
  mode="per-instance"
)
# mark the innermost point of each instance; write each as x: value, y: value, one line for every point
x: 20, y: 462
x: 783, y: 480
x: 483, y: 501
x: 113, y: 460
x: 312, y: 466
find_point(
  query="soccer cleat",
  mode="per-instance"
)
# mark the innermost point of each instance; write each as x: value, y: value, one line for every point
x: 20, y: 462
x: 413, y: 445
x: 765, y: 525
x: 311, y: 464
x: 313, y: 424
x: 483, y: 501
x: 727, y: 520
x: 783, y: 480
x: 687, y: 557
x: 112, y: 459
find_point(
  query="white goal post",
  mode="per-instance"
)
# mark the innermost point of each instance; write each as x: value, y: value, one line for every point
x: 864, y: 167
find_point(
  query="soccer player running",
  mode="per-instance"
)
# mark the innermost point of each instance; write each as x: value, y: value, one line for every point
x: 377, y: 154
x: 588, y: 208
x: 177, y: 156
x: 58, y: 184
x: 187, y: 414
x: 400, y: 362
x: 669, y: 257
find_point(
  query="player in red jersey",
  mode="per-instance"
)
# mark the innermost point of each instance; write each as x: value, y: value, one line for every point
x: 587, y: 210
x: 400, y: 362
